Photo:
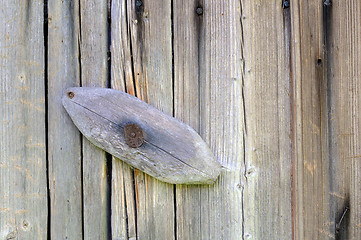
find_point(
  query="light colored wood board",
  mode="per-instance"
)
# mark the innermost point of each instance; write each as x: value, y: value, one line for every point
x: 267, y: 174
x: 122, y: 75
x: 64, y: 139
x: 150, y: 57
x: 94, y: 69
x: 123, y: 207
x: 171, y: 150
x: 311, y: 176
x: 212, y: 212
x: 187, y: 42
x: 344, y: 113
x: 123, y: 201
x: 23, y: 187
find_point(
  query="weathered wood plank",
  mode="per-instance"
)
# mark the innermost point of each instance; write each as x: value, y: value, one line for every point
x: 64, y: 139
x: 123, y: 207
x: 265, y: 202
x: 94, y: 68
x: 311, y: 176
x: 23, y: 187
x: 267, y: 103
x: 208, y: 54
x: 147, y: 63
x: 221, y: 55
x: 343, y: 28
x: 222, y: 119
x: 187, y: 47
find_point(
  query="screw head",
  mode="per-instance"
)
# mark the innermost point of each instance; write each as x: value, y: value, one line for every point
x: 199, y: 10
x: 285, y: 4
x: 327, y: 3
x: 133, y: 135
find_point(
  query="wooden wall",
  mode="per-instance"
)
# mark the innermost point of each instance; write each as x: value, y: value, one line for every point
x: 272, y: 86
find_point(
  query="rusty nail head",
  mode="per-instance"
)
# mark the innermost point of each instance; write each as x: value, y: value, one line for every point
x: 133, y: 135
x: 71, y: 95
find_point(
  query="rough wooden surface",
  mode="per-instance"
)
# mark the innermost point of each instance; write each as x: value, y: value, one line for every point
x: 187, y: 45
x: 123, y: 191
x: 93, y: 44
x: 171, y: 151
x: 208, y: 92
x: 344, y: 85
x: 23, y: 191
x: 267, y: 100
x: 141, y: 50
x: 311, y: 189
x: 246, y: 82
x: 224, y: 70
x: 64, y: 154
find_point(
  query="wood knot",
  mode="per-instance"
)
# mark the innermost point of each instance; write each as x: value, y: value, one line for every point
x: 133, y: 135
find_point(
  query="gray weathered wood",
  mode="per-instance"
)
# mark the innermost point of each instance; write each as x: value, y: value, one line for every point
x: 189, y: 35
x: 123, y: 211
x: 233, y: 83
x: 94, y: 69
x: 23, y: 191
x: 343, y: 25
x: 65, y: 180
x: 172, y: 151
x: 311, y: 170
x: 123, y: 195
x: 266, y: 200
x: 145, y: 69
x: 213, y: 212
x: 268, y: 149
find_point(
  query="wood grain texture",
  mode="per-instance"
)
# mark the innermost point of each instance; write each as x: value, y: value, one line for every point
x: 93, y: 46
x: 123, y: 194
x: 256, y: 178
x: 187, y: 46
x: 311, y: 190
x: 267, y: 108
x: 208, y: 54
x: 343, y: 64
x: 171, y: 151
x: 23, y: 188
x: 142, y: 64
x: 65, y: 180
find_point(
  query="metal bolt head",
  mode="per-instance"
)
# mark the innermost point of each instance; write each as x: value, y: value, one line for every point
x: 138, y: 3
x: 133, y: 135
x: 199, y: 10
x: 285, y: 4
x: 327, y: 3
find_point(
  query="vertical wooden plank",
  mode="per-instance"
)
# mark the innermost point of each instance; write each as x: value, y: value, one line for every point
x: 123, y: 206
x: 208, y: 96
x: 344, y: 52
x: 222, y: 119
x: 312, y: 209
x: 142, y: 64
x: 94, y: 61
x: 243, y: 69
x: 267, y: 173
x: 187, y: 44
x: 64, y: 140
x: 23, y: 188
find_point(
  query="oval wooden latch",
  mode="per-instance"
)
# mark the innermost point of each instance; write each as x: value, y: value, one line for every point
x: 141, y: 135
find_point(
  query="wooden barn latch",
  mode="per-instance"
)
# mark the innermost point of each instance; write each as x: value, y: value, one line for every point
x: 141, y: 135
